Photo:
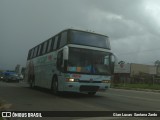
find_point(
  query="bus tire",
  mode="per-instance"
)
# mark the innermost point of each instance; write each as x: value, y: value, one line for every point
x: 91, y: 93
x: 54, y: 87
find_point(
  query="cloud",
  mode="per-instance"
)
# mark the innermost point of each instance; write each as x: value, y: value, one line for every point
x: 132, y: 25
x: 116, y: 26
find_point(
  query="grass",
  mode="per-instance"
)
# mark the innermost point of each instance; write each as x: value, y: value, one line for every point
x: 137, y: 86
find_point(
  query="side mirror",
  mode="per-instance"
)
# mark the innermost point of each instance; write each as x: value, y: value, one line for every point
x: 113, y: 62
x: 60, y: 60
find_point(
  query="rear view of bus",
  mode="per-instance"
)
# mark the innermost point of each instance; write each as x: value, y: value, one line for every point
x: 76, y: 61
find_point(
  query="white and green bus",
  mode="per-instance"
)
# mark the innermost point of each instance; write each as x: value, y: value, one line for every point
x: 73, y: 61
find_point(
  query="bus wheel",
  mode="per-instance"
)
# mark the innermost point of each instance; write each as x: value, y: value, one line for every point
x: 32, y: 83
x: 55, y: 85
x: 91, y: 93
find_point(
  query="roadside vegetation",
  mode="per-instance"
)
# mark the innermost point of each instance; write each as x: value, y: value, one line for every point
x: 137, y: 86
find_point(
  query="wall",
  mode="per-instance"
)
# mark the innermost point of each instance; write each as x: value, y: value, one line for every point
x: 141, y: 68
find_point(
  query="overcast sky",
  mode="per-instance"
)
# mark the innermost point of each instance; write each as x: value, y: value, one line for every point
x: 133, y: 26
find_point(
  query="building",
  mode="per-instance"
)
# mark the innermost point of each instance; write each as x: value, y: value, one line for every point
x: 142, y: 68
x: 134, y: 73
x: 122, y: 73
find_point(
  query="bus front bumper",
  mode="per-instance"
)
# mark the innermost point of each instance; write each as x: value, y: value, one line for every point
x: 88, y: 87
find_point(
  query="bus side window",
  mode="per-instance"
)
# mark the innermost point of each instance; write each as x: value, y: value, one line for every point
x: 63, y: 40
x: 60, y: 60
x: 32, y: 53
x: 39, y: 49
x: 55, y: 40
x: 44, y: 47
x: 29, y: 55
x: 35, y: 51
x: 58, y: 42
x: 49, y: 45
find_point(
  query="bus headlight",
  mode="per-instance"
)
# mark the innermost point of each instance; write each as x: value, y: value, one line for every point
x: 71, y: 80
x: 105, y: 81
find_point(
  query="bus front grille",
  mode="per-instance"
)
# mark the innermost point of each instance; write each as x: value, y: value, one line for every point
x: 86, y: 81
x: 86, y: 88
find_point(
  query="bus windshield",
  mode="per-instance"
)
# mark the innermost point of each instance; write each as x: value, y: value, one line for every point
x: 88, y: 61
x: 89, y: 39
